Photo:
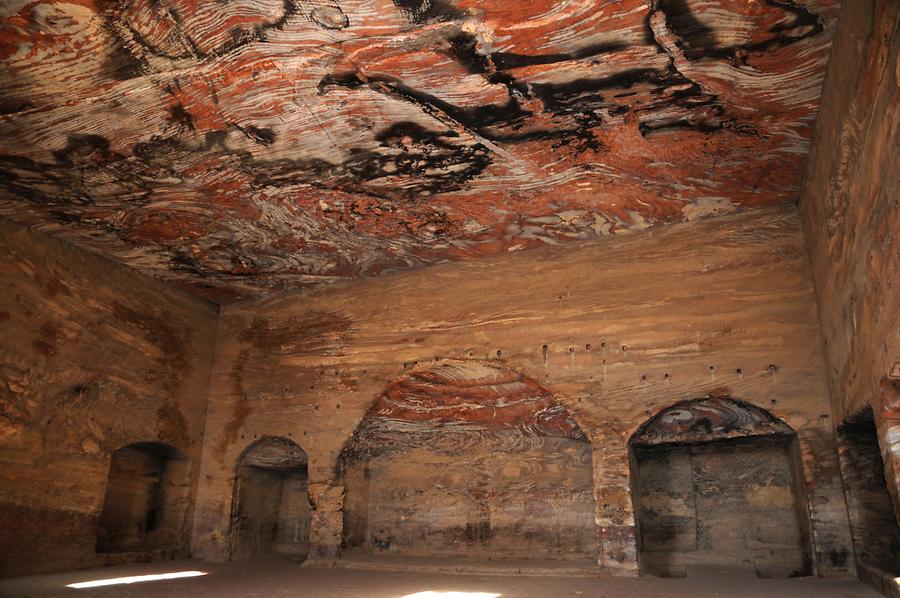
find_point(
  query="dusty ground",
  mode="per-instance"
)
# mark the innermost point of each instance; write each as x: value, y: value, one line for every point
x: 276, y: 578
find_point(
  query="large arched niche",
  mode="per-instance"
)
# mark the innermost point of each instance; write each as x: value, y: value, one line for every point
x: 717, y: 482
x: 270, y: 508
x: 469, y: 459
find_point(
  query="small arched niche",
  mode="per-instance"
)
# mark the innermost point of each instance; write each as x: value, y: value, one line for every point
x: 468, y: 459
x: 147, y: 495
x: 270, y: 511
x: 717, y: 483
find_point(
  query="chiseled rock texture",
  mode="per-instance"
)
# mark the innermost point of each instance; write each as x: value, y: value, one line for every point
x: 614, y: 332
x: 249, y: 145
x: 850, y: 207
x: 93, y: 357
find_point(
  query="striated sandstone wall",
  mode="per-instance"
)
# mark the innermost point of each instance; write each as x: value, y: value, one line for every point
x: 615, y: 332
x: 93, y: 357
x: 850, y: 206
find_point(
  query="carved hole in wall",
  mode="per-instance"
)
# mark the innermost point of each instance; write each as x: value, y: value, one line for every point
x: 270, y: 512
x: 715, y: 483
x: 876, y: 535
x: 146, y: 499
x: 469, y: 459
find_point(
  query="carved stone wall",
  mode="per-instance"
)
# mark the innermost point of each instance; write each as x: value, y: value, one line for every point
x: 851, y: 216
x: 93, y: 357
x: 270, y: 507
x: 614, y: 331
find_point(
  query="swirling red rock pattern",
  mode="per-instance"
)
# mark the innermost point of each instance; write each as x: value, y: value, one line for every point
x: 234, y: 148
x: 713, y: 418
x: 457, y: 405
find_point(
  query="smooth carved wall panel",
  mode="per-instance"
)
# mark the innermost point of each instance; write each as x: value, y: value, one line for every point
x: 93, y: 357
x: 616, y: 331
x: 468, y: 458
x: 243, y: 146
x: 727, y: 503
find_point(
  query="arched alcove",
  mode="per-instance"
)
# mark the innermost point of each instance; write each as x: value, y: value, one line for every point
x: 147, y: 495
x: 468, y: 459
x: 717, y: 482
x: 875, y: 530
x: 270, y: 512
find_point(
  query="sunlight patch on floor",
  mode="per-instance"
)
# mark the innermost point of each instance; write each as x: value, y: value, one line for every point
x: 114, y: 581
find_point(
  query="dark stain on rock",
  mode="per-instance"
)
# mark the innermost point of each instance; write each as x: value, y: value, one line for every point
x: 160, y: 330
x: 313, y: 333
x: 508, y: 116
x: 172, y: 424
x: 510, y: 60
x: 85, y: 151
x: 428, y: 11
x: 120, y: 64
x: 416, y: 161
x: 4, y: 316
x: 839, y: 557
x: 699, y: 42
x: 133, y: 47
x: 48, y: 340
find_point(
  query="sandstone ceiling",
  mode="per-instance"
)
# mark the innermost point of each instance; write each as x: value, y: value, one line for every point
x: 238, y: 146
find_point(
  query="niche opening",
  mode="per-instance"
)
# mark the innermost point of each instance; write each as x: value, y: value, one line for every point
x: 468, y: 459
x: 271, y: 502
x: 716, y: 483
x: 876, y: 535
x: 146, y: 500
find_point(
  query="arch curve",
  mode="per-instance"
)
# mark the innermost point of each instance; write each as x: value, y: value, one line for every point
x: 270, y: 507
x: 469, y: 458
x: 703, y: 419
x: 273, y: 452
x: 718, y: 482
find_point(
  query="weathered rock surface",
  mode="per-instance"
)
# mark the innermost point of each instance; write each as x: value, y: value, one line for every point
x: 93, y: 357
x: 615, y: 331
x: 237, y: 147
x: 851, y: 214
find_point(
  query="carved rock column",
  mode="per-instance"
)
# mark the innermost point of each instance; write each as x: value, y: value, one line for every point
x: 617, y: 555
x: 326, y: 519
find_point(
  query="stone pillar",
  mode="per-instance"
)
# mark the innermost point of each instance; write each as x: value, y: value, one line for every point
x: 829, y: 524
x: 211, y: 533
x: 326, y: 519
x: 887, y: 422
x: 617, y: 554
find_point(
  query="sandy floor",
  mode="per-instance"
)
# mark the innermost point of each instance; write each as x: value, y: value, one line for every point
x: 283, y: 578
